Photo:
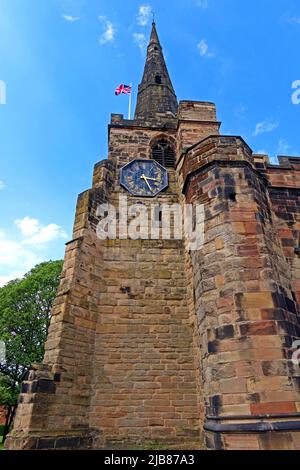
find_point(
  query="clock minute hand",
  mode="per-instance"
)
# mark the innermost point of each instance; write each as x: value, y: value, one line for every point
x: 146, y: 181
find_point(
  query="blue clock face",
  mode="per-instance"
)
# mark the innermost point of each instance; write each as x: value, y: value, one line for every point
x: 144, y: 178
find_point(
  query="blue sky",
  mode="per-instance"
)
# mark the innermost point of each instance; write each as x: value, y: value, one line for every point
x: 61, y: 60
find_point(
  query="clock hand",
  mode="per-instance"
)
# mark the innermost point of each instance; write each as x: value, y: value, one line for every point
x: 146, y: 181
x: 152, y: 179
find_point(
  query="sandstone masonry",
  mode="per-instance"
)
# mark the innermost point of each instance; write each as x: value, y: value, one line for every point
x: 152, y: 343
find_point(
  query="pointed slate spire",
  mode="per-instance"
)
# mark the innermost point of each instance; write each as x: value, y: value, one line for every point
x: 154, y: 36
x: 156, y: 101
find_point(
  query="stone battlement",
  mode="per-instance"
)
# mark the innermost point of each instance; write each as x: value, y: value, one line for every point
x: 285, y: 162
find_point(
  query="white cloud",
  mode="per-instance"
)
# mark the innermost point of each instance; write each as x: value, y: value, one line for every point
x: 46, y: 234
x: 28, y: 226
x: 203, y: 48
x: 109, y: 31
x: 140, y: 40
x: 293, y: 19
x: 70, y: 18
x: 14, y: 275
x: 284, y: 148
x: 37, y: 234
x: 12, y: 253
x: 2, y: 185
x: 263, y: 127
x: 17, y: 257
x: 202, y: 4
x: 15, y: 260
x: 144, y: 15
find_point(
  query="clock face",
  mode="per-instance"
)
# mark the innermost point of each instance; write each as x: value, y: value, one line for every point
x: 144, y: 178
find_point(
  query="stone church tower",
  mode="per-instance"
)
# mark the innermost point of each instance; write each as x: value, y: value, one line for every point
x: 152, y: 343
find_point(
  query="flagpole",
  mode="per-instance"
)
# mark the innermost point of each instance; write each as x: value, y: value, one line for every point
x: 129, y: 108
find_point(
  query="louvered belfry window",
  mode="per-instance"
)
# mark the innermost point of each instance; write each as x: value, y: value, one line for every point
x: 163, y: 152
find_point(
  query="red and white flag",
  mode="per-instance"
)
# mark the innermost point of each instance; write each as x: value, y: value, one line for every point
x: 126, y: 89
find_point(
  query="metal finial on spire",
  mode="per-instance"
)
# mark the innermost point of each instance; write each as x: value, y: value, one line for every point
x: 153, y: 17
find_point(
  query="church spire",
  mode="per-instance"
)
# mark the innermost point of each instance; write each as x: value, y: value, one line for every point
x: 154, y: 36
x: 156, y: 102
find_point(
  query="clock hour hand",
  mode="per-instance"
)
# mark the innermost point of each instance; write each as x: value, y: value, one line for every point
x: 151, y: 179
x: 146, y: 181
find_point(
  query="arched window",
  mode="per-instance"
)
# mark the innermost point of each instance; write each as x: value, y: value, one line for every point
x: 158, y: 79
x: 163, y: 152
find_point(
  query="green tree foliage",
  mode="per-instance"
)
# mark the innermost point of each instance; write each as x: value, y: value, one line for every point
x: 25, y: 309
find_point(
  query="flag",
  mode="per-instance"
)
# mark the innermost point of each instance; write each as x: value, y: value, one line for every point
x: 126, y: 89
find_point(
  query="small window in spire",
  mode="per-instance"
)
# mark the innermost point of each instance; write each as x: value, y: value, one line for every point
x: 163, y: 152
x: 158, y: 79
